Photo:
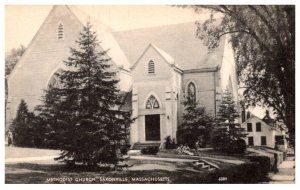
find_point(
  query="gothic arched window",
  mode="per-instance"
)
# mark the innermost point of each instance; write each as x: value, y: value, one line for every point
x: 191, y: 91
x: 54, y: 82
x: 60, y: 31
x: 151, y: 67
x: 152, y: 103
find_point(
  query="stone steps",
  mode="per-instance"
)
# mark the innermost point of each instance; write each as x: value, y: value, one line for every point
x: 204, y: 165
x: 140, y: 146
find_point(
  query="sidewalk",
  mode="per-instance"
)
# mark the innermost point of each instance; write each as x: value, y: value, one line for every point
x: 22, y: 155
x: 286, y: 172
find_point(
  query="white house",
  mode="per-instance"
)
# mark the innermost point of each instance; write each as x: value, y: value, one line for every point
x: 157, y: 68
x: 262, y: 133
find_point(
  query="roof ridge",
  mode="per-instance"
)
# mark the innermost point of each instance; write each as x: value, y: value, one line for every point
x: 153, y: 27
x: 79, y: 13
x: 164, y: 54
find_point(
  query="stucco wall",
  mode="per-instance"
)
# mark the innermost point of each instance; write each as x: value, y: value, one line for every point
x: 162, y: 85
x: 204, y: 82
x: 43, y: 57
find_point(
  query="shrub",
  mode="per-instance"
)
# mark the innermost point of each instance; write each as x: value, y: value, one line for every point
x: 239, y: 146
x: 264, y: 164
x: 152, y: 150
x: 124, y: 150
x: 170, y: 144
x: 225, y: 144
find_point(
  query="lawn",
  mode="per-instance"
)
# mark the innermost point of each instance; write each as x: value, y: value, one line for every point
x: 235, y: 169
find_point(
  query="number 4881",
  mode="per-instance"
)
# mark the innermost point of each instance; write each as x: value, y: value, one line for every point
x: 222, y: 178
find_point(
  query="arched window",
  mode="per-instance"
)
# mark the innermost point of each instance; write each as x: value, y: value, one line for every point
x: 151, y: 67
x: 60, y: 31
x: 191, y: 91
x: 152, y: 103
x: 54, y: 82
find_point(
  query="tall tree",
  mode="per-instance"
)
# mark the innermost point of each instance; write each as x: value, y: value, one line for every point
x: 22, y: 125
x: 263, y: 39
x: 228, y: 134
x: 12, y: 58
x: 196, y: 123
x: 87, y: 123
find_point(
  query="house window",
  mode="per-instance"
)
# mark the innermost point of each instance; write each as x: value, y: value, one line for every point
x: 60, y: 31
x: 249, y: 127
x: 258, y: 127
x: 250, y: 141
x: 152, y: 103
x: 191, y: 91
x: 263, y: 140
x: 151, y: 67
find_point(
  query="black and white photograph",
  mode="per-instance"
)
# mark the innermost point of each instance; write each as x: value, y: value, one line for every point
x: 149, y: 94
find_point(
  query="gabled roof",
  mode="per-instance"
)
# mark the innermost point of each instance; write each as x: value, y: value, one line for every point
x: 105, y: 36
x: 254, y: 116
x: 178, y: 40
x: 162, y: 53
x: 166, y: 56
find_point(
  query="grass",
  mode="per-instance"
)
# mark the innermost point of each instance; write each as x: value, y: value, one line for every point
x: 210, y: 155
x: 143, y: 171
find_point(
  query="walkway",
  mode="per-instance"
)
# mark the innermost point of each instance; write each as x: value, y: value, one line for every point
x: 22, y: 155
x: 286, y: 172
x: 28, y: 159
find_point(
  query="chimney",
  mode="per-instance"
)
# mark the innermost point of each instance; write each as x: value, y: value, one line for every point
x: 248, y: 114
x: 243, y: 115
x: 267, y: 113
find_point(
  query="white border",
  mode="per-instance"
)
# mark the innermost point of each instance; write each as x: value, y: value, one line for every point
x: 145, y: 187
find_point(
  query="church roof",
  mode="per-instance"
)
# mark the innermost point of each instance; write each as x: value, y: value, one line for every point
x: 105, y: 36
x: 178, y: 41
x: 162, y: 53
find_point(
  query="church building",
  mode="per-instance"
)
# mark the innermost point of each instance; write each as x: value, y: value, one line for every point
x: 157, y: 66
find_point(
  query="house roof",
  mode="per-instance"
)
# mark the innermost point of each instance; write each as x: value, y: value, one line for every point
x: 254, y: 116
x: 178, y: 40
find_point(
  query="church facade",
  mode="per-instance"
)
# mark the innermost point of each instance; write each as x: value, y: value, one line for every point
x: 158, y: 68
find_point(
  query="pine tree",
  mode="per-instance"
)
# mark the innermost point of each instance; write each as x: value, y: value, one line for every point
x: 196, y: 123
x: 83, y: 115
x: 22, y: 125
x: 228, y: 135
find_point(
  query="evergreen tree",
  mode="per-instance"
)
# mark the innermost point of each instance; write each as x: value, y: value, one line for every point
x: 196, y: 123
x: 228, y: 135
x: 22, y: 126
x: 83, y: 116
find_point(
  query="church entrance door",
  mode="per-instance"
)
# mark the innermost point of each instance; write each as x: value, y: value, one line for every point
x: 152, y: 127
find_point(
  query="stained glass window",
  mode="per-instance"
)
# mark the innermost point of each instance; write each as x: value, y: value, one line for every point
x: 54, y: 82
x: 152, y: 103
x: 192, y: 91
